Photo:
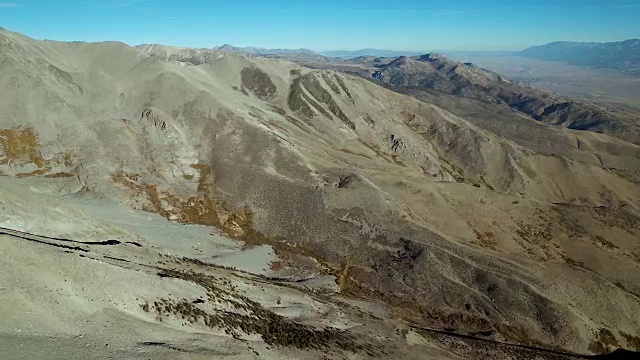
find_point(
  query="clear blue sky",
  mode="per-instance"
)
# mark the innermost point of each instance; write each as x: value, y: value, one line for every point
x: 327, y: 24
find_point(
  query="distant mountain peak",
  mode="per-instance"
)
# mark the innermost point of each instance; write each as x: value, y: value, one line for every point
x: 431, y: 56
x: 401, y: 61
x: 227, y: 47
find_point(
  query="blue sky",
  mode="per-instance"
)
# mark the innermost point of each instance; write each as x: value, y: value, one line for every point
x: 327, y: 24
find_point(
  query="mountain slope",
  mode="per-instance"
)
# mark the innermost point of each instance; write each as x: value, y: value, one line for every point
x: 445, y: 224
x: 437, y: 73
x: 620, y: 55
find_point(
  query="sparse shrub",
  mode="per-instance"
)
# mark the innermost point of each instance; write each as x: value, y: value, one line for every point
x: 604, y: 342
x: 487, y: 239
x: 604, y: 242
x: 252, y: 318
x: 633, y: 341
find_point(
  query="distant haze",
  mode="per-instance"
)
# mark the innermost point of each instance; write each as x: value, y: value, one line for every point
x: 621, y: 55
x: 329, y: 25
x: 348, y: 54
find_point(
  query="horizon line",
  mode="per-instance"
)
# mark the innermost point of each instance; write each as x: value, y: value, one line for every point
x: 320, y: 52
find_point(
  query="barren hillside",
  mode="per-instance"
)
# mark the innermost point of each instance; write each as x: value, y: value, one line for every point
x: 435, y: 72
x: 349, y: 219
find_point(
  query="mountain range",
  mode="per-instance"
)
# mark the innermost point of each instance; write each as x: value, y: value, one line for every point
x: 348, y: 54
x: 619, y: 55
x: 437, y: 73
x: 207, y: 203
x: 262, y: 51
x: 622, y: 55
